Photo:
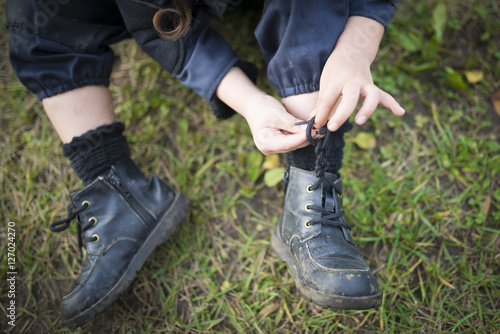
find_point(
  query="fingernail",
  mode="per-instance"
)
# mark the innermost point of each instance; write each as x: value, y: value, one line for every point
x: 402, y: 109
x: 361, y: 120
x: 333, y: 126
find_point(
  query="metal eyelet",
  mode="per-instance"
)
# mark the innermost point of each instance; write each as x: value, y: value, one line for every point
x: 306, y: 224
x: 309, y: 190
x: 93, y: 221
x: 97, y: 238
x: 306, y: 207
x: 86, y: 202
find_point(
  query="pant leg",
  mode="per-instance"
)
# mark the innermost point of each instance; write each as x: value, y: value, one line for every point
x: 296, y: 38
x: 59, y: 45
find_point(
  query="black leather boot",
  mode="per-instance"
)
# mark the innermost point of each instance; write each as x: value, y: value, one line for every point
x: 313, y: 237
x: 121, y: 217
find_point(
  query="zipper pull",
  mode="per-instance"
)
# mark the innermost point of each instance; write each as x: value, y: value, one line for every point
x: 115, y: 181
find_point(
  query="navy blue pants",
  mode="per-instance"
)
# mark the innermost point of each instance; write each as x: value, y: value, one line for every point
x: 59, y: 45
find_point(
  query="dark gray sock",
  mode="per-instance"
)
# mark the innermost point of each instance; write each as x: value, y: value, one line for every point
x: 305, y: 158
x: 94, y: 152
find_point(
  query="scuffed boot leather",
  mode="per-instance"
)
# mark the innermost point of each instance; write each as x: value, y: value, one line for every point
x: 121, y: 216
x: 314, y: 239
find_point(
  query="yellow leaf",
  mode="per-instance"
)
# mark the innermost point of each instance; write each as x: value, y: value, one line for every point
x: 485, y: 207
x: 474, y: 76
x: 226, y: 285
x: 442, y: 214
x: 365, y: 140
x: 495, y: 99
x: 273, y: 176
x: 271, y: 161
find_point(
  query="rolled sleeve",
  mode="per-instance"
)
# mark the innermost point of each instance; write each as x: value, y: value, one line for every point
x: 207, y: 57
x: 381, y: 11
x: 199, y: 59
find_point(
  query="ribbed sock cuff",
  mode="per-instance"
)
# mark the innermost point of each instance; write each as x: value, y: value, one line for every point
x: 305, y: 158
x: 94, y: 152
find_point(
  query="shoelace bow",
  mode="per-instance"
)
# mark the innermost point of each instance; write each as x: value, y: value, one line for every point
x: 61, y: 225
x: 328, y: 217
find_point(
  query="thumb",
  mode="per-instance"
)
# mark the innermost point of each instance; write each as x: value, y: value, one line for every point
x: 293, y: 124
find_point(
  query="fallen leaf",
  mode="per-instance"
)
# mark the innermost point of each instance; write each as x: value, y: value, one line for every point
x: 273, y: 176
x: 439, y: 19
x: 271, y: 161
x: 254, y: 161
x: 454, y: 79
x: 495, y: 99
x: 365, y: 140
x: 226, y: 285
x: 442, y: 214
x: 268, y: 310
x: 421, y: 121
x: 410, y: 42
x: 474, y: 76
x: 485, y: 207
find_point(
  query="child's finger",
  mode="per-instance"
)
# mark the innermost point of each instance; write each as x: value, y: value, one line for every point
x: 348, y: 101
x: 327, y: 99
x: 370, y: 103
x: 390, y: 102
x: 290, y: 124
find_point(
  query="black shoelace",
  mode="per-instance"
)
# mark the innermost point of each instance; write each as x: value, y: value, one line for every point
x: 328, y: 217
x: 61, y: 225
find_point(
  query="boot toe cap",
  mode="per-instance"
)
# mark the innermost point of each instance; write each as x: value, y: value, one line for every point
x: 341, y: 275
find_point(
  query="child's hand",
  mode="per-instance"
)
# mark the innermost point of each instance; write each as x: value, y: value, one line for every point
x: 346, y: 77
x: 273, y: 127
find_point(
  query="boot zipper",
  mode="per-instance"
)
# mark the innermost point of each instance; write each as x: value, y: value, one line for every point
x: 144, y: 214
x: 286, y: 176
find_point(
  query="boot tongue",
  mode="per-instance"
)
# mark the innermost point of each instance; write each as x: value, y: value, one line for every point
x: 330, y: 236
x: 330, y: 188
x: 335, y: 180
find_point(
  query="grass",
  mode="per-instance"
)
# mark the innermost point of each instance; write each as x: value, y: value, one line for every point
x: 424, y: 201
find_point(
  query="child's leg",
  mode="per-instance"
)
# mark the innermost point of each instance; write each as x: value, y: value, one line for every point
x: 121, y: 215
x: 77, y: 111
x: 85, y: 121
x: 312, y: 235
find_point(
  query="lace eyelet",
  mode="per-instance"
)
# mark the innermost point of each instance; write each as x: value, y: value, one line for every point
x: 96, y: 238
x: 309, y: 190
x: 306, y: 207
x: 306, y: 224
x: 86, y: 202
x: 93, y: 221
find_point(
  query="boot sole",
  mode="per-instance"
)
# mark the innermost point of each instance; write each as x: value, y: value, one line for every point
x: 317, y: 297
x: 163, y: 230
